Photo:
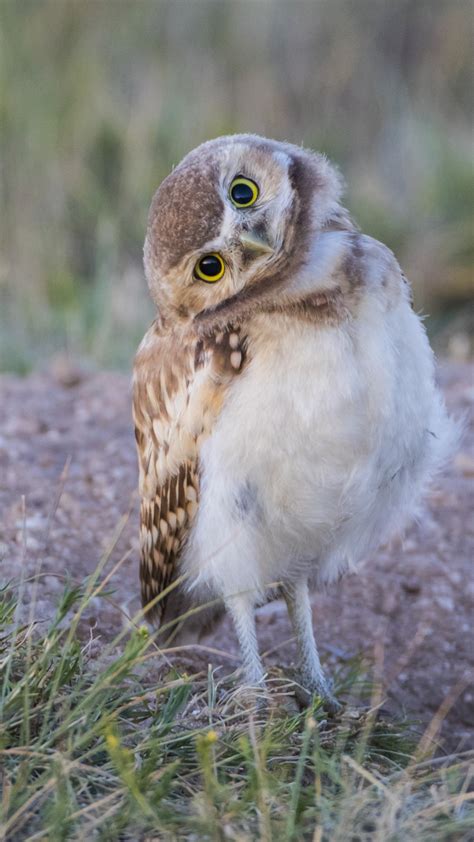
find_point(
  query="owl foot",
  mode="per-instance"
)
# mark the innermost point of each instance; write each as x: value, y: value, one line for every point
x: 308, y: 691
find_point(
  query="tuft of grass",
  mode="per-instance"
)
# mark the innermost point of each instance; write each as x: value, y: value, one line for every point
x: 113, y: 748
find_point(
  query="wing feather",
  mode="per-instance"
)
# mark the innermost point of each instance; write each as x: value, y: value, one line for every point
x: 179, y: 385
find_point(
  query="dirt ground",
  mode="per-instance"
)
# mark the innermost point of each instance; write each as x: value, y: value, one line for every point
x: 68, y: 475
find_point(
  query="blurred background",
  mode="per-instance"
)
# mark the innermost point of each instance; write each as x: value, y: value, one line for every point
x: 99, y: 98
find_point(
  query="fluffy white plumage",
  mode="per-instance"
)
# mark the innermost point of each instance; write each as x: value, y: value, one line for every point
x: 329, y: 439
x: 318, y: 444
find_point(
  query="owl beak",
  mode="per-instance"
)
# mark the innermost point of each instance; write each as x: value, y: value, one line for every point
x: 254, y: 242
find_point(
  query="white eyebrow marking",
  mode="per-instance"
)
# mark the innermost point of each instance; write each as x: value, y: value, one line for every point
x: 282, y: 158
x: 229, y: 220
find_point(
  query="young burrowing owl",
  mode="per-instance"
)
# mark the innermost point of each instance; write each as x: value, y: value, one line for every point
x: 287, y: 419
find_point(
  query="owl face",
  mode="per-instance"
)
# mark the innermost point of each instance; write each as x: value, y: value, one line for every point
x: 234, y: 220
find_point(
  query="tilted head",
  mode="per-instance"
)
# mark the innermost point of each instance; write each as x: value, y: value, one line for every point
x: 234, y: 220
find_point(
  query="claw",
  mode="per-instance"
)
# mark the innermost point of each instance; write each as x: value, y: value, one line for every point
x: 307, y: 692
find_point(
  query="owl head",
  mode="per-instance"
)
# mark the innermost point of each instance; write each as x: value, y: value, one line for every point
x: 233, y: 222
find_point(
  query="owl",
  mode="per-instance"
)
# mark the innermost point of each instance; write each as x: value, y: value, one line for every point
x: 287, y: 419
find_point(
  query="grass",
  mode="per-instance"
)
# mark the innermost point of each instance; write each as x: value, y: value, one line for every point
x: 112, y: 748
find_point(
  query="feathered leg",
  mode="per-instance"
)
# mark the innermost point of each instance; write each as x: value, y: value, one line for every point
x: 242, y: 610
x: 310, y: 671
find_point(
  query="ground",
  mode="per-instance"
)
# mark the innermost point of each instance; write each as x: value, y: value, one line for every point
x: 68, y: 476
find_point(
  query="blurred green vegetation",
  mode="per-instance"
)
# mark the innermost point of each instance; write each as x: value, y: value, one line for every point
x: 99, y: 98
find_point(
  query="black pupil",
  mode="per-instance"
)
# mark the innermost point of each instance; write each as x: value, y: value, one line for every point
x: 242, y: 194
x: 210, y: 266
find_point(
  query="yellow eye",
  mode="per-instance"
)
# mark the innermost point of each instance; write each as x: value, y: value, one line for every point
x: 209, y: 268
x: 243, y: 192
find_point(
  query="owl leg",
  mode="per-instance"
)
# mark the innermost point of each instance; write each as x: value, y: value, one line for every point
x: 242, y: 610
x: 310, y: 672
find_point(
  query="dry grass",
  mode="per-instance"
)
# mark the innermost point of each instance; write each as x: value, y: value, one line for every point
x: 110, y: 747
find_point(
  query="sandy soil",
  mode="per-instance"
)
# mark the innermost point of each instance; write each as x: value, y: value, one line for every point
x: 68, y: 475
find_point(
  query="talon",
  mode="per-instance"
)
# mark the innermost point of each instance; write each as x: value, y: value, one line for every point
x: 306, y: 692
x: 331, y: 705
